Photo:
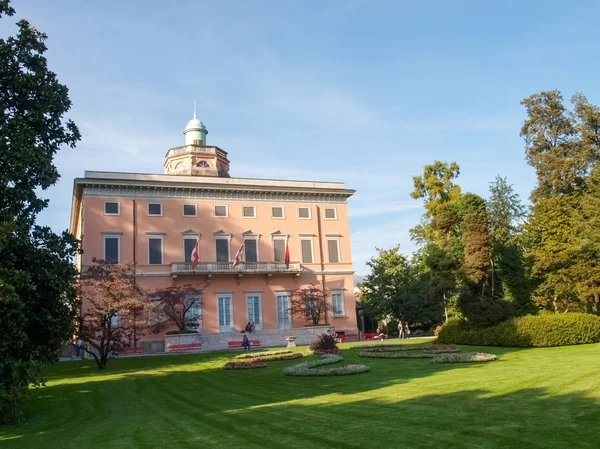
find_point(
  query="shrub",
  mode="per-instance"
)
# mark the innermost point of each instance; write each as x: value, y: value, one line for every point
x: 250, y: 355
x: 325, y: 351
x: 323, y: 343
x: 529, y: 331
x: 464, y: 357
x: 276, y: 358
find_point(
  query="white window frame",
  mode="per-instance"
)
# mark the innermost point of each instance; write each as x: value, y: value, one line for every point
x: 282, y: 213
x: 115, y: 320
x: 230, y: 296
x: 260, y: 309
x: 162, y: 248
x: 154, y: 215
x: 289, y: 300
x: 343, y: 312
x: 194, y: 237
x: 226, y: 211
x: 111, y: 236
x: 339, y: 252
x: 279, y: 237
x: 189, y: 216
x: 118, y: 203
x: 312, y: 249
x: 251, y: 237
x: 309, y: 212
x: 334, y: 211
x: 223, y: 237
x: 248, y: 205
x: 199, y: 323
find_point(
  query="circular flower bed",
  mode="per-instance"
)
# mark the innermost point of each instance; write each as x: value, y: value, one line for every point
x: 312, y: 368
x: 464, y: 357
x: 250, y: 355
x: 391, y: 348
x: 245, y: 365
x: 442, y: 349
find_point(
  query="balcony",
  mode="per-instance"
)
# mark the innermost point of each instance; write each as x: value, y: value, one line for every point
x: 228, y: 268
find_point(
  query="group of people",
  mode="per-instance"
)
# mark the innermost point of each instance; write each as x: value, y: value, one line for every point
x: 250, y: 327
x: 403, y: 330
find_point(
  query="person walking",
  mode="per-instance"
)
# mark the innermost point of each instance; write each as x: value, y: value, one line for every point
x: 79, y: 348
x: 406, y: 331
x: 400, y: 330
x: 246, y: 343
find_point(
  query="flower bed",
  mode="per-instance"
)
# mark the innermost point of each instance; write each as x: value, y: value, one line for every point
x: 250, y: 364
x: 396, y: 355
x: 325, y: 351
x: 442, y: 349
x: 250, y: 355
x: 391, y: 348
x: 278, y: 357
x: 312, y: 368
x: 464, y: 357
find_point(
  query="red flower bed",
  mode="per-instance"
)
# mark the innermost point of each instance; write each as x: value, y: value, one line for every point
x: 326, y: 351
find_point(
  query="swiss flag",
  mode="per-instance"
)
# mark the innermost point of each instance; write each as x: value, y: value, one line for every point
x: 195, y: 257
x: 287, y: 255
x: 238, y: 256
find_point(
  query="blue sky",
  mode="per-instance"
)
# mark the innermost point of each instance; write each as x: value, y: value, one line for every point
x: 355, y: 91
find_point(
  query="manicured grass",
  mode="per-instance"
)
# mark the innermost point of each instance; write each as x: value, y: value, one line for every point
x: 529, y: 398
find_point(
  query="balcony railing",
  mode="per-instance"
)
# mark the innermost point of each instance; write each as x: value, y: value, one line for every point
x: 227, y: 267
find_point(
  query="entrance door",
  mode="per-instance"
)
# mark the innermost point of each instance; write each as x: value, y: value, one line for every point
x: 283, y: 312
x: 224, y: 305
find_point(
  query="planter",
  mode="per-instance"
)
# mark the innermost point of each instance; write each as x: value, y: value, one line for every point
x: 182, y: 339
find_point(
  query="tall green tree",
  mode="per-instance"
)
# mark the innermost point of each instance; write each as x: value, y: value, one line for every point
x: 37, y: 298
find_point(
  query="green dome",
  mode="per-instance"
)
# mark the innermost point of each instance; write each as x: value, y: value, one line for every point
x: 195, y: 125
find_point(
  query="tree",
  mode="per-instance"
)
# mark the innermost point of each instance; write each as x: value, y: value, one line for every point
x: 118, y: 303
x: 309, y: 302
x: 176, y: 305
x: 37, y: 298
x: 506, y: 211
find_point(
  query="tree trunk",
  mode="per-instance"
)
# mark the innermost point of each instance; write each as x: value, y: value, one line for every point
x: 555, y: 305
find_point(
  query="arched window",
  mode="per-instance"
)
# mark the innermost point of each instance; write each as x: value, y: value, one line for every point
x: 179, y: 166
x: 202, y: 164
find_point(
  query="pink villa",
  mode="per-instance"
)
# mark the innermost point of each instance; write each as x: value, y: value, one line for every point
x: 155, y: 221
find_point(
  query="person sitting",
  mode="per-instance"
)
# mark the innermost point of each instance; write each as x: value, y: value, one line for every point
x: 246, y: 343
x: 248, y: 327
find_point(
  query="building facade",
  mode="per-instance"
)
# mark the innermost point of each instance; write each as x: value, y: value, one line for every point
x: 156, y: 220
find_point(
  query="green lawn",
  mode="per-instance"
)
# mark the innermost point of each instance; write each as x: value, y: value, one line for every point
x: 532, y: 398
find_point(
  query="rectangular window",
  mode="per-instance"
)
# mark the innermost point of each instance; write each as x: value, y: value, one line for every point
x: 333, y: 250
x: 154, y: 209
x: 283, y: 311
x: 221, y: 211
x: 115, y: 320
x: 249, y: 212
x: 224, y: 310
x: 188, y: 246
x: 277, y: 212
x: 111, y: 208
x: 337, y: 303
x: 330, y: 213
x: 155, y: 250
x: 304, y: 213
x: 253, y: 307
x: 111, y: 248
x: 251, y: 249
x: 279, y: 249
x: 222, y: 248
x: 306, y: 246
x: 192, y: 314
x: 189, y: 210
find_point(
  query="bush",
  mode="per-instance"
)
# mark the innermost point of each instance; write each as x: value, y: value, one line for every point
x: 249, y: 364
x: 544, y: 330
x: 464, y: 357
x: 276, y: 358
x: 324, y: 342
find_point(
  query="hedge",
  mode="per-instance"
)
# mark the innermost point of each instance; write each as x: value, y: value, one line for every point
x: 538, y: 331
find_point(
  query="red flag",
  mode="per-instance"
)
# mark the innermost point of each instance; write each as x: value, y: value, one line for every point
x: 287, y: 255
x: 194, y: 256
x: 239, y: 255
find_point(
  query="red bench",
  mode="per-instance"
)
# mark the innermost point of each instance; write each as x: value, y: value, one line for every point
x: 130, y: 350
x: 347, y: 337
x: 184, y: 348
x: 239, y: 344
x: 374, y: 336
